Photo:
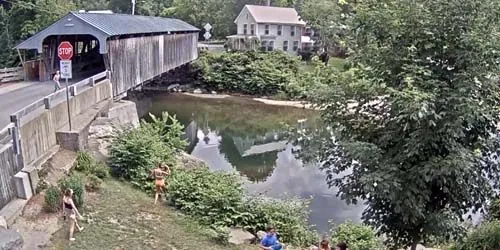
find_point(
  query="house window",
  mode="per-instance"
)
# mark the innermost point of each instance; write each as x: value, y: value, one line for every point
x: 247, y: 16
x: 263, y: 45
x: 285, y: 45
x: 252, y: 29
x: 295, y: 45
x: 280, y: 29
x: 292, y: 30
x: 270, y: 46
x: 245, y: 28
x: 266, y: 29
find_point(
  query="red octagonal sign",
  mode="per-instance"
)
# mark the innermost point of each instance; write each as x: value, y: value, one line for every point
x: 65, y: 50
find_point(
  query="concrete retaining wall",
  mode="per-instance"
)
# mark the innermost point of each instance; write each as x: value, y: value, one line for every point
x: 38, y: 135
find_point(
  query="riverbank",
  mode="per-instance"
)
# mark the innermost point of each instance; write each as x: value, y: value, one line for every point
x: 284, y: 103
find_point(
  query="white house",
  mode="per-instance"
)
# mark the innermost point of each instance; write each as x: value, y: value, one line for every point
x: 268, y: 28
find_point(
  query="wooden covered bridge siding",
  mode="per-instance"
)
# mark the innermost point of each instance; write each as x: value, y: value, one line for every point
x: 133, y: 61
x: 9, y: 166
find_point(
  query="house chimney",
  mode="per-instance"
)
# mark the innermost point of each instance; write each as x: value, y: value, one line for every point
x: 268, y: 3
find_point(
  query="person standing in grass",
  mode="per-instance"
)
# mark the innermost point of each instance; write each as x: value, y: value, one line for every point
x: 70, y: 208
x: 270, y: 240
x: 159, y: 174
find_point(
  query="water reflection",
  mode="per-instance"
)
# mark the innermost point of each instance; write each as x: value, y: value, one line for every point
x: 247, y: 136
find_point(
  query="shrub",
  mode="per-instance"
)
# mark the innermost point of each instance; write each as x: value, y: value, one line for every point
x: 100, y: 170
x: 135, y: 152
x: 494, y: 210
x: 213, y: 198
x: 75, y: 182
x: 93, y: 183
x: 485, y: 236
x: 359, y: 237
x: 52, y: 199
x: 289, y: 216
x: 248, y: 72
x: 84, y: 162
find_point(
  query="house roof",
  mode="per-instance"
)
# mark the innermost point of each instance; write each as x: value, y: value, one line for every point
x: 270, y: 14
x: 105, y: 25
x: 122, y: 24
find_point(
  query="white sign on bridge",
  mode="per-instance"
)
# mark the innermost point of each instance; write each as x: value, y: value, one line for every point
x: 66, y: 70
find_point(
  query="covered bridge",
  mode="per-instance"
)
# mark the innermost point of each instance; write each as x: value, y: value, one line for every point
x: 133, y: 48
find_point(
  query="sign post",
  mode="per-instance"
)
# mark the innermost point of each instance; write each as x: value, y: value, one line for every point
x: 65, y: 53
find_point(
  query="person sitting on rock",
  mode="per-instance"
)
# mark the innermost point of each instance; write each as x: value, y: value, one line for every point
x: 270, y: 240
x: 159, y: 174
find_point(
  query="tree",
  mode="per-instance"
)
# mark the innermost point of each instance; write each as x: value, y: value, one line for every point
x: 327, y: 17
x: 415, y: 116
x: 7, y: 56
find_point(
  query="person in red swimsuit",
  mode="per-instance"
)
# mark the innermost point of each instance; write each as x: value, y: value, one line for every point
x: 159, y: 174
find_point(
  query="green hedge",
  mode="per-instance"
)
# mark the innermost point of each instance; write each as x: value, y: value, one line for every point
x: 486, y: 236
x: 251, y: 72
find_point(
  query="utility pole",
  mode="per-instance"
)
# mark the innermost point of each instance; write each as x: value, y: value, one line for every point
x: 133, y: 7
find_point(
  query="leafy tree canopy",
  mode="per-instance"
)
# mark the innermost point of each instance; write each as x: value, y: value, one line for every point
x: 415, y: 116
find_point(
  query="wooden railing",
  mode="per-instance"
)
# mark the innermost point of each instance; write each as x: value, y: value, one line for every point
x: 58, y: 96
x: 11, y: 74
x: 6, y: 135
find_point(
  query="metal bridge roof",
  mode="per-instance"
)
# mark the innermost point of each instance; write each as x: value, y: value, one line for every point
x: 105, y: 25
x: 121, y: 24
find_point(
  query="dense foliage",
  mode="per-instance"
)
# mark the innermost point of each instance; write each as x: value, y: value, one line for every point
x: 248, y: 72
x: 75, y: 182
x: 485, y: 236
x: 217, y: 200
x: 271, y: 73
x: 52, y: 199
x: 358, y: 237
x: 135, y: 152
x: 415, y: 115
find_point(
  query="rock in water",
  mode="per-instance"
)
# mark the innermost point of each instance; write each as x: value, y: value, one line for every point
x: 10, y: 240
x: 197, y: 91
x: 239, y: 236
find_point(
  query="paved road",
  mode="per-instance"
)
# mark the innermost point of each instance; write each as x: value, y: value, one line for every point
x: 15, y: 96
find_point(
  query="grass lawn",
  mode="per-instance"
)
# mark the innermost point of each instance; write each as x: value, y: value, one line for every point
x: 121, y: 217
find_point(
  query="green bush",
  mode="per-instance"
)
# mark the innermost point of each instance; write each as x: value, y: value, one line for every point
x: 359, y: 237
x: 52, y: 199
x: 216, y: 199
x: 135, y: 152
x: 100, y: 170
x: 494, y: 210
x: 93, y: 183
x: 485, y: 236
x: 249, y: 72
x: 289, y: 216
x: 213, y: 198
x: 75, y: 182
x: 84, y: 162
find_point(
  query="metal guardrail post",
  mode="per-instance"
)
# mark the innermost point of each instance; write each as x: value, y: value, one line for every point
x: 46, y: 102
x: 15, y: 140
x: 15, y: 119
x: 72, y: 90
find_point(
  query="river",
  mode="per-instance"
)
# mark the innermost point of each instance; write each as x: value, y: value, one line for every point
x: 247, y: 136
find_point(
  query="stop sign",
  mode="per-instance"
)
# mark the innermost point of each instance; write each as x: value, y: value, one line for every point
x: 65, y: 50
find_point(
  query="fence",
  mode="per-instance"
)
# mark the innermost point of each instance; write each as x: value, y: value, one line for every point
x: 11, y: 74
x: 31, y: 133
